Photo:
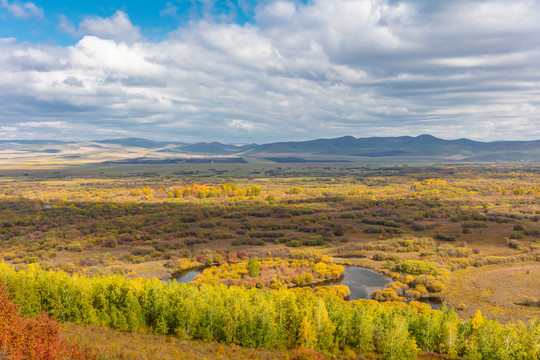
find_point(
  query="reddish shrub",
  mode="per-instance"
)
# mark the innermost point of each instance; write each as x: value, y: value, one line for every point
x: 31, y: 338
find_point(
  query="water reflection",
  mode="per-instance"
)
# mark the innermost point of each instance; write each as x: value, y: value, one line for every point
x: 362, y: 282
x: 186, y: 276
x: 434, y: 302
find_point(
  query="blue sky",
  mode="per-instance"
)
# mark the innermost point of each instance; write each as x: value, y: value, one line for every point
x: 155, y: 18
x: 273, y: 70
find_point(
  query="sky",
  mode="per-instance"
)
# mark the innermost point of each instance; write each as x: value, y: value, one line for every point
x: 243, y: 71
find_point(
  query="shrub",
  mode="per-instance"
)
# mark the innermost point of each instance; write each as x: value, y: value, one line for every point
x: 253, y: 267
x: 514, y: 244
x: 430, y: 283
x: 294, y: 190
x: 110, y: 242
x: 206, y: 224
x: 31, y: 338
x: 444, y: 237
x: 474, y: 225
x: 143, y: 250
x: 74, y: 247
x: 530, y: 301
x: 516, y: 235
x: 388, y: 294
x: 252, y: 242
x: 372, y: 230
x: 415, y: 267
x: 418, y: 227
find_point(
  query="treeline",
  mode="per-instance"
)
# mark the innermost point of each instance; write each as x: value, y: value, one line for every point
x: 196, y: 191
x: 281, y: 318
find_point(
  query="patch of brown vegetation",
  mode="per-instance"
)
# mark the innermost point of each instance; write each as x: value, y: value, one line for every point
x: 496, y: 290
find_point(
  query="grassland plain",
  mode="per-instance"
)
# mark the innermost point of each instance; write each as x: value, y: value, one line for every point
x: 465, y: 233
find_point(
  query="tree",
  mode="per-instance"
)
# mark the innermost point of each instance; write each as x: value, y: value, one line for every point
x: 307, y: 337
x: 324, y: 327
x: 395, y: 342
x: 253, y: 268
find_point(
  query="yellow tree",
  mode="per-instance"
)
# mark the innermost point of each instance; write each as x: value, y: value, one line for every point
x: 307, y: 337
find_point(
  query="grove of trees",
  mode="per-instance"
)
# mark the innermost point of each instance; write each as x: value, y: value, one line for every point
x: 284, y: 318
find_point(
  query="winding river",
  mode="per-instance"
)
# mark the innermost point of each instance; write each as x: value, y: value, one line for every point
x: 361, y: 282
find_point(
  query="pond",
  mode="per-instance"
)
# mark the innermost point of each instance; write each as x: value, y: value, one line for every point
x: 186, y: 276
x: 362, y: 282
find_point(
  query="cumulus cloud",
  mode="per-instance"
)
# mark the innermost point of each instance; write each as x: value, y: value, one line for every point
x: 301, y: 70
x: 23, y: 10
x: 116, y: 27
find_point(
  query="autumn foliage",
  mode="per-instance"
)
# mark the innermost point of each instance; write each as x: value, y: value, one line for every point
x: 31, y: 338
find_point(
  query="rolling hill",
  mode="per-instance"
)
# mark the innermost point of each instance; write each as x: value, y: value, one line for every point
x: 347, y: 148
x: 406, y: 147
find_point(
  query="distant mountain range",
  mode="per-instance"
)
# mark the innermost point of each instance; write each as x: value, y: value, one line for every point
x: 347, y: 148
x: 407, y: 146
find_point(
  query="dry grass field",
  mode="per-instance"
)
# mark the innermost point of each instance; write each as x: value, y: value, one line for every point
x: 496, y: 290
x: 112, y: 345
x: 134, y: 346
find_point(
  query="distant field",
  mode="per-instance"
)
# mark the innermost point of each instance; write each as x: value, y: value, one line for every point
x: 499, y: 291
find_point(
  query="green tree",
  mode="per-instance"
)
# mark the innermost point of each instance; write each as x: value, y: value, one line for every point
x: 394, y: 341
x: 253, y: 267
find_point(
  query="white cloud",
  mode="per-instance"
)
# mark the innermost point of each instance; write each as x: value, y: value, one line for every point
x: 23, y: 10
x: 241, y: 124
x: 43, y: 124
x: 114, y: 59
x: 276, y: 11
x: 117, y: 27
x: 9, y: 130
x: 509, y: 59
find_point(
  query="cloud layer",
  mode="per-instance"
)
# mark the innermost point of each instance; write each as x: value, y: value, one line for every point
x: 298, y: 71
